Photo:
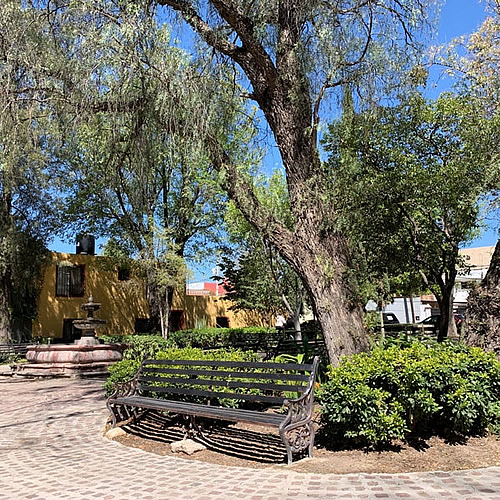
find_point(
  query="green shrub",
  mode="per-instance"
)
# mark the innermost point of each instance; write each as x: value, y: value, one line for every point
x: 121, y: 372
x: 397, y: 392
x: 201, y: 337
x: 213, y: 338
x: 204, y: 338
x: 194, y: 353
x: 140, y: 346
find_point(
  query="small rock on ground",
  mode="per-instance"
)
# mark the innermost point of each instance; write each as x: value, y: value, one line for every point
x: 116, y: 432
x: 187, y: 446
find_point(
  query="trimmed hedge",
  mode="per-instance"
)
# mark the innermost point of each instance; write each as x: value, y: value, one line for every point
x: 213, y: 338
x: 139, y: 346
x: 395, y: 393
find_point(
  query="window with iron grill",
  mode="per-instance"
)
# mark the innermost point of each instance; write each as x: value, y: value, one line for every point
x: 69, y: 281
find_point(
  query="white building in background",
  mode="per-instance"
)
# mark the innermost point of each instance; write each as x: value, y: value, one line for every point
x: 409, y: 309
x: 477, y: 261
x: 415, y: 309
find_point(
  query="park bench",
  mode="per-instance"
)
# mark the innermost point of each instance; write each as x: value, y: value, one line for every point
x: 308, y: 346
x: 194, y: 388
x: 263, y: 342
x: 8, y: 350
x: 271, y: 344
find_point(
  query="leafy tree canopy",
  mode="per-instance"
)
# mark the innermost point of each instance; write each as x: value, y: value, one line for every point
x: 409, y: 181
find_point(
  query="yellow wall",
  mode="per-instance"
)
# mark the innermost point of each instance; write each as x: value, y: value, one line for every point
x: 202, y: 310
x: 122, y: 302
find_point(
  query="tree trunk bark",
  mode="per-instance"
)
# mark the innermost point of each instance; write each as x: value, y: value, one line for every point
x: 334, y: 303
x: 447, y: 326
x: 5, y: 312
x: 341, y: 321
x: 445, y: 314
x: 297, y: 328
x: 482, y: 322
x: 165, y: 308
x: 452, y: 325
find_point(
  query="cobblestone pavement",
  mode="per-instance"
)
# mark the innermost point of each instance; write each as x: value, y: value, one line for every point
x: 51, y: 447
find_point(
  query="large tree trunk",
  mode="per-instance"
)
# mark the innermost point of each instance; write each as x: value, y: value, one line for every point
x: 482, y: 323
x: 324, y: 263
x: 340, y: 319
x: 5, y: 312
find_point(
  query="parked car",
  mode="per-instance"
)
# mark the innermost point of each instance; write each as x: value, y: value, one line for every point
x: 433, y: 321
x: 393, y: 325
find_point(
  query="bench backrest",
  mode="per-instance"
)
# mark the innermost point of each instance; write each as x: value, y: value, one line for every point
x: 7, y: 350
x: 307, y: 346
x: 203, y: 381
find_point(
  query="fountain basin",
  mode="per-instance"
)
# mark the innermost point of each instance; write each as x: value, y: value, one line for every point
x: 70, y: 359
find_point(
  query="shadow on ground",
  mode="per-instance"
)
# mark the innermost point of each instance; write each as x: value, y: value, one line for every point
x: 223, y: 438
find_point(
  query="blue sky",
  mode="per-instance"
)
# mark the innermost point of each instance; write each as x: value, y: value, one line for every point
x: 457, y: 17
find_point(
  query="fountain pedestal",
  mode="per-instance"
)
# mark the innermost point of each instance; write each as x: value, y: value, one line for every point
x: 86, y: 357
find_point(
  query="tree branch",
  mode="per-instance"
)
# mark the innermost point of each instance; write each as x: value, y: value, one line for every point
x: 242, y: 192
x: 251, y: 56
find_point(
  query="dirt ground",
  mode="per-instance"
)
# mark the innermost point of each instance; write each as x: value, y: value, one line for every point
x: 255, y: 447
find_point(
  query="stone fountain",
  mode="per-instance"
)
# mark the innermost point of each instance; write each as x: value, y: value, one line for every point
x: 86, y: 357
x: 89, y: 325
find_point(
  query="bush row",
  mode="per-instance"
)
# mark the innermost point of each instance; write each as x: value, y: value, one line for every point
x: 212, y: 338
x: 399, y: 392
x: 404, y: 389
x: 204, y: 338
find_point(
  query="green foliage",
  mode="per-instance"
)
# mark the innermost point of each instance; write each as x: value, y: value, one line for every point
x: 139, y: 346
x: 473, y: 60
x: 28, y: 184
x: 7, y: 358
x: 254, y: 273
x: 291, y: 358
x: 121, y: 372
x: 398, y: 392
x: 200, y: 354
x: 409, y: 181
x: 211, y: 338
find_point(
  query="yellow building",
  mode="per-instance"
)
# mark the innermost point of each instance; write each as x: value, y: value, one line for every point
x: 70, y: 279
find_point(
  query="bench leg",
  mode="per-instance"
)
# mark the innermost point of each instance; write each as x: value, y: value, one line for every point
x: 312, y: 432
x: 115, y: 415
x: 298, y: 438
x: 123, y: 413
x: 191, y: 427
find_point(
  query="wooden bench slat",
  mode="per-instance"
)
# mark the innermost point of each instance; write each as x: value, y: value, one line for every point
x: 232, y: 414
x: 232, y: 364
x: 258, y: 398
x: 235, y: 374
x: 225, y: 383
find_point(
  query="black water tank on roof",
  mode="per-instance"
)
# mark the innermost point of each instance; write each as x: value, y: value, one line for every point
x: 85, y: 244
